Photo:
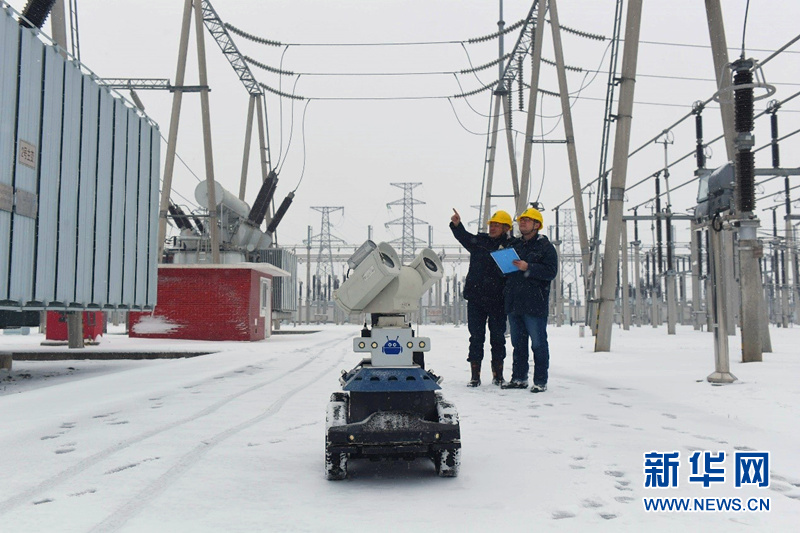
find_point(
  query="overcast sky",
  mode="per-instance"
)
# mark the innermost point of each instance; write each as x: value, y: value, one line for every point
x: 353, y: 142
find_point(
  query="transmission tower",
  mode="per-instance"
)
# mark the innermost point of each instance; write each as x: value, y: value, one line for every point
x: 408, y: 243
x: 325, y: 239
x: 570, y: 251
x: 478, y: 221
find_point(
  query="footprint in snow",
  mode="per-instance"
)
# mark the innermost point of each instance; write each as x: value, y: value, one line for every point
x: 607, y: 516
x: 779, y: 487
x: 591, y: 504
x: 624, y: 499
x: 559, y: 515
x: 83, y: 493
x: 669, y: 415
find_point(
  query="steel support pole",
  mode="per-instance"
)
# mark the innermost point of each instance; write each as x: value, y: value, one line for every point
x: 308, y: 278
x: 719, y: 51
x: 58, y: 25
x: 172, y: 140
x: 213, y: 227
x: 637, y: 267
x: 456, y: 301
x: 728, y: 284
x: 248, y: 136
x: 795, y: 275
x: 263, y: 154
x: 558, y: 289
x: 626, y: 305
x: 618, y: 177
x: 655, y: 297
x: 752, y: 309
x: 512, y: 156
x: 722, y: 367
x: 536, y: 58
x: 495, y: 125
x: 572, y: 154
x: 787, y: 268
x: 695, y: 264
x: 672, y: 310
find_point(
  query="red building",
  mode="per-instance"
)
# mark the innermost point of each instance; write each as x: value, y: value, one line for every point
x: 210, y: 302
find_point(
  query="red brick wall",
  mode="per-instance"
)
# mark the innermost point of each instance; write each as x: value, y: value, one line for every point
x: 57, y: 325
x: 203, y: 304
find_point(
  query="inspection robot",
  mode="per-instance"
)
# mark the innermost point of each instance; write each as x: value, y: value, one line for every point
x: 390, y: 407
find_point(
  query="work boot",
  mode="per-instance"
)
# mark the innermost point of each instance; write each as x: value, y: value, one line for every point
x: 515, y: 384
x: 497, y: 373
x: 475, y: 366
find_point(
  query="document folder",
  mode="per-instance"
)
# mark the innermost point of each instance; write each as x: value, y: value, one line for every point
x: 504, y: 259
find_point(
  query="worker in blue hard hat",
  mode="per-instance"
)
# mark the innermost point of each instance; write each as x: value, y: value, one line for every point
x: 483, y: 290
x: 527, y: 297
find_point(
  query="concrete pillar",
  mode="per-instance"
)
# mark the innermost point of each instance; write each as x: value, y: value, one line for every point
x: 75, y: 329
x: 722, y: 369
x: 695, y: 264
x: 639, y: 309
x: 626, y: 304
x: 558, y: 291
x: 616, y: 195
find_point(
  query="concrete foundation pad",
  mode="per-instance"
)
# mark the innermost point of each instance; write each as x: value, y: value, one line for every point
x: 721, y: 377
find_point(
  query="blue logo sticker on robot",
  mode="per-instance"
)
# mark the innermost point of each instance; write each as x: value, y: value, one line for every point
x: 392, y: 347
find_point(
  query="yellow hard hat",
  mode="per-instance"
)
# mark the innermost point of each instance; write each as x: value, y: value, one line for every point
x: 532, y: 213
x: 501, y: 217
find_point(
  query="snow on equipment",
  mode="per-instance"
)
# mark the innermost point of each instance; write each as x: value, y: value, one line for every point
x: 390, y: 406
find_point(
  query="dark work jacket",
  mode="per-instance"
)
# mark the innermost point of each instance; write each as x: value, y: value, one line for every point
x: 528, y: 292
x: 484, y: 281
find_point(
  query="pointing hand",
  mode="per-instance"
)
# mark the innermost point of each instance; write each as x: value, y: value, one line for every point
x: 456, y: 218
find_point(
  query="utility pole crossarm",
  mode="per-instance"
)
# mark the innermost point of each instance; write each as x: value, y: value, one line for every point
x: 220, y: 34
x: 136, y: 83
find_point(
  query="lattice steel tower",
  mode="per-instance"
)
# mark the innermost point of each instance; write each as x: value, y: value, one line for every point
x: 478, y: 221
x: 570, y: 252
x: 325, y: 239
x: 408, y: 243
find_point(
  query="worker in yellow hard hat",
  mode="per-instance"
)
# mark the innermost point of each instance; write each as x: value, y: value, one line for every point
x: 527, y: 296
x: 483, y: 290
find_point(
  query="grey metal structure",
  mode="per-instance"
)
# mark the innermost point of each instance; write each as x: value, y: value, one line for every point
x: 284, y: 290
x: 80, y: 179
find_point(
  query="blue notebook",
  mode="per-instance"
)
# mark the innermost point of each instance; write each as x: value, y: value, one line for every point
x: 503, y: 258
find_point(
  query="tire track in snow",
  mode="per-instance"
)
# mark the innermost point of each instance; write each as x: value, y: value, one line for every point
x: 139, y: 501
x: 28, y: 495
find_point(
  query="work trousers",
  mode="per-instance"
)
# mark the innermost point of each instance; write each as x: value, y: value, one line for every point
x: 524, y: 327
x: 478, y: 314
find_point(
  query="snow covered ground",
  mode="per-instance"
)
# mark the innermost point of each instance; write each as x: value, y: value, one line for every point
x: 234, y: 441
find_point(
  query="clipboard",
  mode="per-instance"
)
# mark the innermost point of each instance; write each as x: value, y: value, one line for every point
x: 504, y: 259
